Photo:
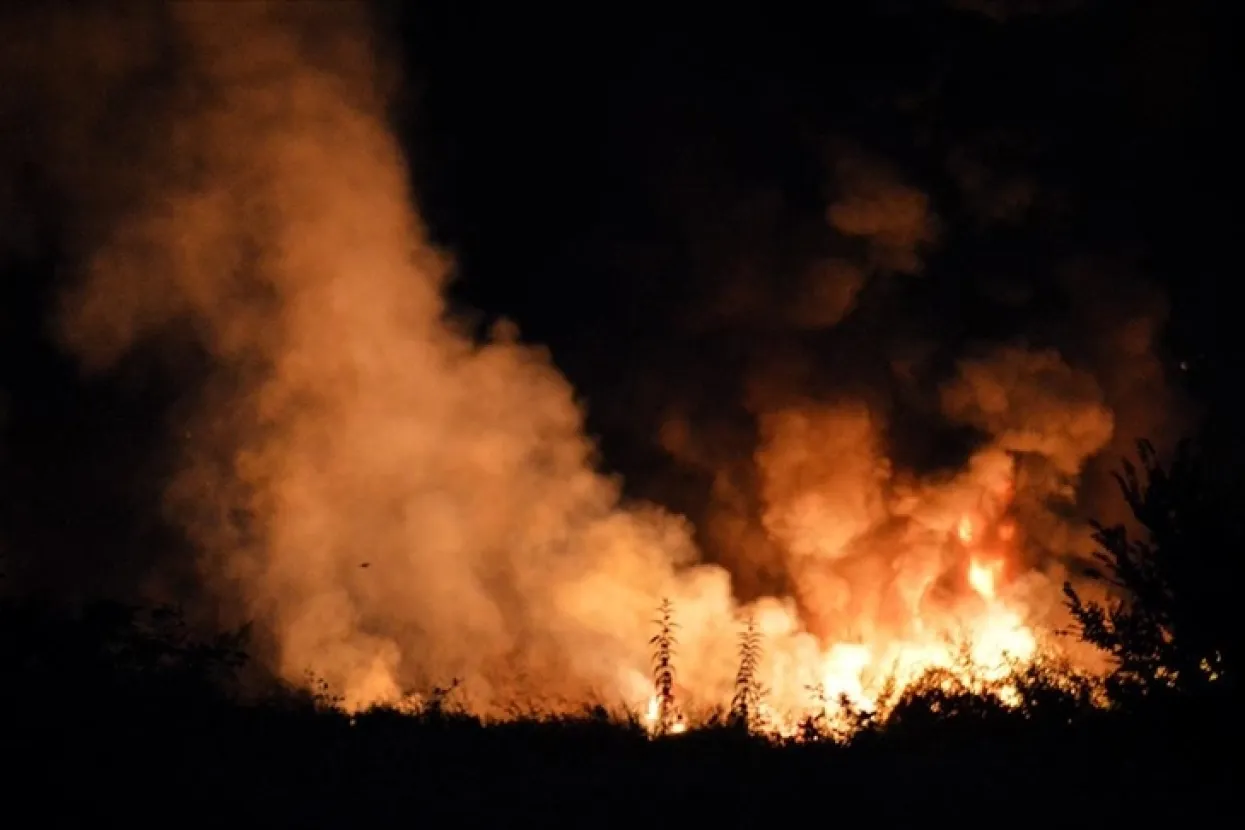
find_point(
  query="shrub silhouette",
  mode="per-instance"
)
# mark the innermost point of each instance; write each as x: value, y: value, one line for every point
x: 109, y: 655
x: 1171, y: 626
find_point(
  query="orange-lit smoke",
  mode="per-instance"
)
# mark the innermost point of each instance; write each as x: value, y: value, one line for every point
x: 397, y: 506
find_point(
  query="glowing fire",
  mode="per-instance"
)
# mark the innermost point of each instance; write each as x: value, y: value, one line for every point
x: 652, y: 718
x: 989, y: 626
x: 982, y: 576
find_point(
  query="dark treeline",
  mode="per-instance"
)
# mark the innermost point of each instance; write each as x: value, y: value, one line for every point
x: 111, y: 711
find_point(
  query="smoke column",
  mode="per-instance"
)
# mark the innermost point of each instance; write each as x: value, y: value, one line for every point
x: 396, y: 505
x: 393, y: 504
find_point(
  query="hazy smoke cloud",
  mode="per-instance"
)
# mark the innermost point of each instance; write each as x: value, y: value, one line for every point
x: 893, y: 218
x: 820, y: 464
x: 393, y: 504
x: 397, y: 505
x: 1032, y: 402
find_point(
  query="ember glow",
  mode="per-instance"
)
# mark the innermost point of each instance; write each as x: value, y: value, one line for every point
x: 350, y: 420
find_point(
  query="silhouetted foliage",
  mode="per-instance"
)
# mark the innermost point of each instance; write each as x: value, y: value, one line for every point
x: 1171, y: 625
x: 664, y: 643
x: 745, y: 705
x: 299, y: 758
x: 108, y: 655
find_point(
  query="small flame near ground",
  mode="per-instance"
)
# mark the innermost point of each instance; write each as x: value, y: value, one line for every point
x: 652, y: 718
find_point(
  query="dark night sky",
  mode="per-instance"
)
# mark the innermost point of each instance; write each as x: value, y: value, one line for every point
x: 580, y: 178
x: 608, y: 181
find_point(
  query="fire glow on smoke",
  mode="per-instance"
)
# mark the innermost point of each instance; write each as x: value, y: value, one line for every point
x: 263, y: 207
x: 989, y: 640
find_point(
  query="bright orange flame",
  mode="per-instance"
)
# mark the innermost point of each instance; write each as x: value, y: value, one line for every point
x: 652, y: 718
x: 982, y: 578
x: 974, y: 633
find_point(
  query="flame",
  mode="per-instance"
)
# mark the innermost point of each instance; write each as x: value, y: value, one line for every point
x: 981, y: 578
x: 652, y: 718
x: 990, y: 624
x: 842, y: 674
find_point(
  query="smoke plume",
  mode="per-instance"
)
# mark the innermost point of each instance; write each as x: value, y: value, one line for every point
x: 397, y: 505
x: 393, y: 504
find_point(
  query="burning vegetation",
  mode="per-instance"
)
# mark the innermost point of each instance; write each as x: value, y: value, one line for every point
x: 263, y: 212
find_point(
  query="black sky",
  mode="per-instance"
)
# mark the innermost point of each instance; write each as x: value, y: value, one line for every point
x: 609, y: 180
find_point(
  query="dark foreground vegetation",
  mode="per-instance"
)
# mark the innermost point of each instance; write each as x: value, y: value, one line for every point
x: 112, y: 713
